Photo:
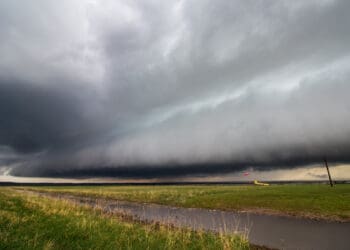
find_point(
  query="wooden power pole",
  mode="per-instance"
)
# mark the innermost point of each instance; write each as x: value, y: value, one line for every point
x: 329, y: 174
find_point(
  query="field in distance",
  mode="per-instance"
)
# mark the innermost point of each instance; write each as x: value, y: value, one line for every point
x: 28, y: 221
x: 308, y: 200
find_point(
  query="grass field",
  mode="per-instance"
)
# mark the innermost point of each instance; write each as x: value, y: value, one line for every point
x: 309, y: 200
x: 28, y: 221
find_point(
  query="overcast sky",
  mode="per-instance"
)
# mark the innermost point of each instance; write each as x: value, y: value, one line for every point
x: 162, y: 89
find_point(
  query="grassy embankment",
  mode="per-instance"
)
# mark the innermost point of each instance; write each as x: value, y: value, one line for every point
x: 32, y: 222
x: 309, y: 200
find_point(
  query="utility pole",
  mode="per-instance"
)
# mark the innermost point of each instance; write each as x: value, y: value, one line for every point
x: 329, y: 174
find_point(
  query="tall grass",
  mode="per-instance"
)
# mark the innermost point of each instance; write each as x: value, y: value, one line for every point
x: 33, y: 222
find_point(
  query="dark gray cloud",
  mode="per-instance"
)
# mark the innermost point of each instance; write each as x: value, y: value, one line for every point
x: 161, y: 89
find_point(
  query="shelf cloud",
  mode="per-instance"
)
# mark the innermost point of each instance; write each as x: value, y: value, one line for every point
x: 158, y: 89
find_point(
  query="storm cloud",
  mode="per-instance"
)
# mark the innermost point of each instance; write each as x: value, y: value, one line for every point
x: 172, y: 88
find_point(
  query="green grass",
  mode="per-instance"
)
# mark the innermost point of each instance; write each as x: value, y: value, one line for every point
x: 309, y: 200
x: 28, y: 221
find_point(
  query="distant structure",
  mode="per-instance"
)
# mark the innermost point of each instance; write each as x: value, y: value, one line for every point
x: 260, y: 183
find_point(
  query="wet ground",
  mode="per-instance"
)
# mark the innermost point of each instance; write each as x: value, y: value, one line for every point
x: 265, y: 230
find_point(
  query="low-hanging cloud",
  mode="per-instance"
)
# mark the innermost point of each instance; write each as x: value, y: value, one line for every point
x: 161, y: 89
